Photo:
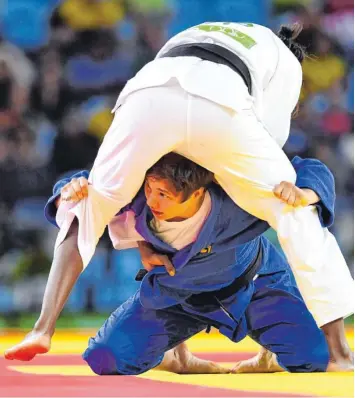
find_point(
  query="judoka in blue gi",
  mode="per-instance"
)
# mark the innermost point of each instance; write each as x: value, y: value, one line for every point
x: 215, y: 283
x: 229, y: 276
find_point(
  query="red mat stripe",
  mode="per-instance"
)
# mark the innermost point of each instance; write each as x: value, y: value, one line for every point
x: 15, y: 384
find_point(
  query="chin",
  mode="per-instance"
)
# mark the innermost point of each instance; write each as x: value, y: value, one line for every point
x: 159, y: 216
x: 162, y: 217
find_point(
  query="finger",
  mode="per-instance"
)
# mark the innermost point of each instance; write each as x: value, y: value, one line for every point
x: 84, y: 184
x: 286, y: 191
x: 278, y: 190
x: 71, y: 195
x: 157, y: 260
x: 64, y: 192
x: 168, y: 265
x: 291, y: 199
x: 299, y: 197
x: 298, y: 201
x: 76, y: 187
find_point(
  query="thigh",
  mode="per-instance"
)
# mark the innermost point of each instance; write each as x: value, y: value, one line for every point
x: 134, y: 339
x: 246, y: 160
x: 279, y: 320
x: 253, y: 166
x: 149, y: 124
x: 281, y: 95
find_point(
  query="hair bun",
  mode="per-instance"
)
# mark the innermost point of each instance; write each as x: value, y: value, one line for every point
x: 285, y: 32
x: 290, y: 32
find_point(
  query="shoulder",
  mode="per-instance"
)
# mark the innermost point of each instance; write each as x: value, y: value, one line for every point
x: 218, y: 194
x: 227, y: 210
x: 137, y: 205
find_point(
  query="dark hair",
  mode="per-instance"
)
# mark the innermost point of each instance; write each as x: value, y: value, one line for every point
x: 289, y: 34
x: 185, y: 175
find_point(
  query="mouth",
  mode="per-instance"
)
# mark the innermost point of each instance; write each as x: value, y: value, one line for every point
x: 157, y: 213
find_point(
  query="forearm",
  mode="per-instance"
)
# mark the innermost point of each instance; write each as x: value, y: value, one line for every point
x: 66, y: 268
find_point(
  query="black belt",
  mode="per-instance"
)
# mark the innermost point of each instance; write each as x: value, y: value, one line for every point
x: 212, y: 53
x: 210, y: 298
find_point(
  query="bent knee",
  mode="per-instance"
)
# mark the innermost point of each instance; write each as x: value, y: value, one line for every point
x: 104, y: 362
x: 311, y: 357
x: 101, y: 360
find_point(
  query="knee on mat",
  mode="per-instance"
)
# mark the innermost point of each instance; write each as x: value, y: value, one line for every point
x: 312, y: 357
x: 103, y: 362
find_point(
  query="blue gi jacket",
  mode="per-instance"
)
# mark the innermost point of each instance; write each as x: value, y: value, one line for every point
x: 226, y: 245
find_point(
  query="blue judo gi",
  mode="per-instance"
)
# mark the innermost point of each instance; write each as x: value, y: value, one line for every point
x: 269, y: 309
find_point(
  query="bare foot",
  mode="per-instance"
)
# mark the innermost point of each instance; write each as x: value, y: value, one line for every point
x: 343, y: 363
x: 34, y: 343
x: 180, y: 360
x: 264, y: 362
x: 341, y: 356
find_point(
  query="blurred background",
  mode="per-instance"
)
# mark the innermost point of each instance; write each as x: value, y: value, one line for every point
x: 62, y: 66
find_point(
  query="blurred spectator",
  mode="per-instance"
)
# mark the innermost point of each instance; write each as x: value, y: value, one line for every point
x: 350, y: 91
x: 96, y: 111
x: 152, y: 19
x: 91, y: 14
x: 26, y: 23
x: 323, y: 70
x: 7, y: 87
x: 18, y: 74
x: 99, y: 66
x: 336, y: 121
x: 20, y: 174
x: 74, y: 148
x: 8, y: 90
x: 338, y: 21
x: 50, y: 94
x: 281, y: 6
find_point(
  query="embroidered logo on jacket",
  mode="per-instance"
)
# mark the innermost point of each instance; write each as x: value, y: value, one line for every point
x: 206, y: 250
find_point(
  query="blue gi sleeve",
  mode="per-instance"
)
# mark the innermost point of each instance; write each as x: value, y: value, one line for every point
x: 315, y: 175
x: 50, y: 209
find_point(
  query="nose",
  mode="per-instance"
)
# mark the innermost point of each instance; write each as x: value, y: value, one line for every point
x: 152, y: 202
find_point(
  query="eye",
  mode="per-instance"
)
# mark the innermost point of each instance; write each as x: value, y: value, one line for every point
x: 162, y: 195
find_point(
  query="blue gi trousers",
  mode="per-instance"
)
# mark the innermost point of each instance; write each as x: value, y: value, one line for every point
x: 134, y: 339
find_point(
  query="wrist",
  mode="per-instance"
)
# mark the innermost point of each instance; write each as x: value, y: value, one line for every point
x: 312, y: 197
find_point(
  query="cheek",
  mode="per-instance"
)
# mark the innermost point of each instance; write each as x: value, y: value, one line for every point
x: 167, y: 206
x: 174, y: 209
x: 164, y: 205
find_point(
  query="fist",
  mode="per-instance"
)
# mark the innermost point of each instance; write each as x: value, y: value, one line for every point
x: 294, y: 196
x: 74, y: 191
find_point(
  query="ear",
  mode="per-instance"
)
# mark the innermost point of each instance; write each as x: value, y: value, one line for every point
x: 199, y: 192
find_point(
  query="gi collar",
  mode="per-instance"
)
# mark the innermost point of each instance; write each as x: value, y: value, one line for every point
x: 179, y: 258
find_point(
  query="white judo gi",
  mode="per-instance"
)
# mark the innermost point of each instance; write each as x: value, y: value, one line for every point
x: 203, y: 111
